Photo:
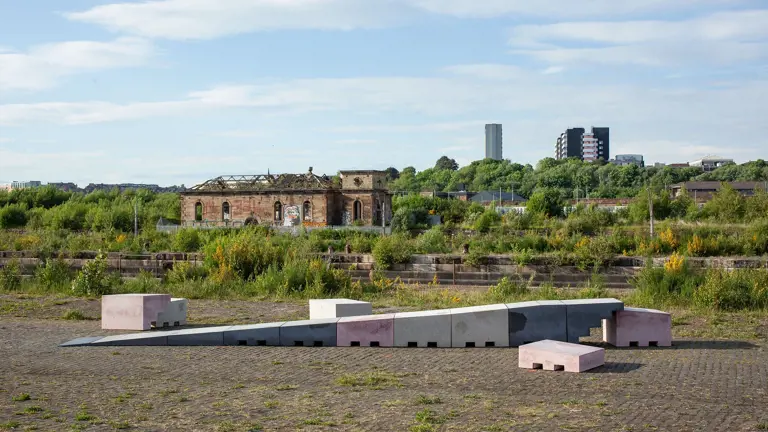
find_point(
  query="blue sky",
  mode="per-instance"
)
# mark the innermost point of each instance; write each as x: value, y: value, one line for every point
x: 177, y: 91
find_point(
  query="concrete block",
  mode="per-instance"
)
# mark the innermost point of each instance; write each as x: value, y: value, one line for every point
x: 317, y: 332
x: 174, y: 314
x: 537, y: 320
x: 368, y: 331
x: 205, y: 336
x: 558, y: 356
x: 584, y: 315
x: 266, y: 334
x: 83, y: 341
x: 480, y: 326
x: 338, y: 308
x: 638, y: 327
x: 131, y: 311
x: 155, y: 338
x: 424, y: 329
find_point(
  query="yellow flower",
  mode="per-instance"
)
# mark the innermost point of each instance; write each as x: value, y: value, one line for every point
x: 675, y: 263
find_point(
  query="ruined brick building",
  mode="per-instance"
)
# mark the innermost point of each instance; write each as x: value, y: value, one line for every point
x: 289, y: 200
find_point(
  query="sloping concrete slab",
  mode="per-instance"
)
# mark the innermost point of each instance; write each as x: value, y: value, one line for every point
x: 368, y: 330
x: 83, y: 341
x: 319, y: 332
x: 338, y: 308
x: 424, y: 329
x: 155, y: 338
x: 537, y: 320
x: 206, y: 336
x: 584, y: 315
x: 556, y: 355
x: 480, y: 326
x: 266, y: 334
x: 638, y: 327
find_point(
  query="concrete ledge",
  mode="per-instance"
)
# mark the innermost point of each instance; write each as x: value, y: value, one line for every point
x: 155, y: 338
x: 638, y: 327
x: 537, y: 320
x: 206, y: 336
x: 318, y: 332
x: 267, y: 334
x: 369, y: 330
x: 338, y: 308
x: 480, y: 326
x: 560, y: 356
x: 425, y: 329
x: 584, y: 315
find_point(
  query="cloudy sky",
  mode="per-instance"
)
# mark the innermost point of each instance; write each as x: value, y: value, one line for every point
x: 176, y: 91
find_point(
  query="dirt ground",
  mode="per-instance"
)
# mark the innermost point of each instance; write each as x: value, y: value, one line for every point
x: 700, y: 384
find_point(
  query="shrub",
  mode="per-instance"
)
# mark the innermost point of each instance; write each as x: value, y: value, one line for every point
x: 546, y: 202
x: 433, y: 242
x: 184, y: 271
x: 391, y: 250
x: 54, y: 274
x: 10, y: 276
x: 13, y: 216
x: 244, y: 254
x: 487, y: 220
x: 593, y: 252
x: 93, y: 279
x: 675, y: 279
x: 733, y: 290
x: 507, y: 288
x: 186, y: 240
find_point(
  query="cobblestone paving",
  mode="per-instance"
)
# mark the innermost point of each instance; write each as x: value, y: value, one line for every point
x: 694, y: 386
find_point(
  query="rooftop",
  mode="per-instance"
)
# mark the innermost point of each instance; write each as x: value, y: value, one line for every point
x: 261, y: 182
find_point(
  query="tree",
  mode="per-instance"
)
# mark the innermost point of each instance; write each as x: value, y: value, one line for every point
x: 546, y: 202
x: 445, y: 163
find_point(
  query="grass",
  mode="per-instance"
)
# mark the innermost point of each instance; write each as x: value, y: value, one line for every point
x: 10, y: 425
x: 284, y: 387
x: 75, y: 315
x: 428, y: 400
x: 373, y: 380
x: 21, y: 397
x: 763, y: 426
x: 118, y: 425
x: 316, y: 421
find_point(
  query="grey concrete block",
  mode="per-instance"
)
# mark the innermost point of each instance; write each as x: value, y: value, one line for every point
x: 206, y: 336
x: 480, y: 326
x: 155, y: 338
x: 83, y: 341
x: 537, y: 320
x: 584, y: 315
x: 423, y: 329
x: 266, y: 334
x: 319, y: 332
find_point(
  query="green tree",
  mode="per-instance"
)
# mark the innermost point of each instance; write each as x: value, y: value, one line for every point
x: 446, y: 163
x: 546, y: 202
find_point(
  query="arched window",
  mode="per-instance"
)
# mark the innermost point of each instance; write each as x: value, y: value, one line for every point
x: 358, y: 210
x: 278, y: 211
x: 378, y: 215
x: 198, y: 211
x: 307, y: 209
x: 225, y: 215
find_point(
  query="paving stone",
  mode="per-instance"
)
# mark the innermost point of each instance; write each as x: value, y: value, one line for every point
x: 367, y: 331
x: 83, y: 341
x: 537, y: 320
x: 206, y: 336
x: 266, y: 334
x: 556, y: 355
x: 638, y: 327
x: 423, y: 329
x: 338, y: 308
x: 583, y: 315
x: 480, y: 326
x: 131, y: 311
x: 318, y: 332
x: 174, y: 314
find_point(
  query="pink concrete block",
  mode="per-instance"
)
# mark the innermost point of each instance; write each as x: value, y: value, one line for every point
x: 132, y: 311
x: 557, y: 356
x: 638, y: 327
x: 369, y: 330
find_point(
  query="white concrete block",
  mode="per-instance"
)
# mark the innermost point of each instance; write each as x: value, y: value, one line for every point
x: 174, y: 314
x: 480, y: 326
x: 423, y: 329
x: 560, y: 356
x: 338, y: 308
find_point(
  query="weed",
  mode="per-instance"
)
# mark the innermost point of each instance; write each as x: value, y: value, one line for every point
x: 74, y: 315
x: 22, y: 397
x: 271, y: 404
x: 34, y: 409
x: 428, y: 400
x: 284, y: 387
x: 374, y: 380
x: 119, y: 424
x: 145, y: 406
x: 10, y: 425
x: 317, y: 422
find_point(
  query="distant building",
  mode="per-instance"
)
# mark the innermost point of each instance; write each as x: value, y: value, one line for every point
x: 25, y: 184
x: 703, y: 190
x: 493, y: 141
x: 711, y: 163
x: 5, y: 187
x: 487, y: 197
x: 587, y: 146
x: 629, y: 159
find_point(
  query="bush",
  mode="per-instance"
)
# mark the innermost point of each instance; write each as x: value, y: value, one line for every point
x: 243, y: 254
x: 10, y: 276
x: 433, y: 241
x: 391, y: 250
x: 485, y: 221
x: 675, y: 279
x: 186, y: 240
x: 54, y: 275
x: 507, y: 288
x: 13, y: 216
x: 93, y: 280
x: 733, y: 290
x: 184, y: 271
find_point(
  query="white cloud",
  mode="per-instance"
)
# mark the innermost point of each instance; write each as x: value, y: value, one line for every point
x: 720, y: 38
x: 553, y: 70
x: 42, y: 65
x: 356, y: 141
x: 242, y: 134
x: 206, y: 19
x: 423, y: 127
x: 4, y: 140
x: 488, y: 71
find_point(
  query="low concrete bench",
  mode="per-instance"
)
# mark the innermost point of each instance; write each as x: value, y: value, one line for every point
x: 560, y: 356
x: 132, y: 311
x: 424, y: 329
x: 338, y: 308
x: 638, y: 327
x: 174, y: 315
x: 368, y: 331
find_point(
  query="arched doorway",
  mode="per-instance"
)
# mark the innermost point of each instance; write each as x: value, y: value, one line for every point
x: 198, y: 211
x: 307, y: 211
x: 225, y: 213
x: 278, y: 211
x: 357, y: 211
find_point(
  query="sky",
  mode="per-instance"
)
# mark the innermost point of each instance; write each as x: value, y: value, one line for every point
x: 179, y: 91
